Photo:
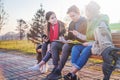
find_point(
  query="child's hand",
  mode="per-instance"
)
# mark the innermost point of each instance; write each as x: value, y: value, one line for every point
x: 85, y: 44
x: 48, y: 48
x: 75, y: 32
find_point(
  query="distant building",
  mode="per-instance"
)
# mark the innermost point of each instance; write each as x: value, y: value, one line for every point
x: 10, y: 36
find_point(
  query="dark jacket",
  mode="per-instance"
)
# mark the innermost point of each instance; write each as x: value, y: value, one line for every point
x: 82, y: 28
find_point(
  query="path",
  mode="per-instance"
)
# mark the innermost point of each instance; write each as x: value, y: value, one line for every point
x: 15, y: 67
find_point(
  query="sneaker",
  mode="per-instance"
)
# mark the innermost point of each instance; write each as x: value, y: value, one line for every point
x: 47, y: 77
x: 44, y: 68
x: 69, y: 76
x: 54, y: 75
x: 35, y: 68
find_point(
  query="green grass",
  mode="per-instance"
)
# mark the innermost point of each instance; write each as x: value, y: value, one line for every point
x: 115, y: 26
x: 23, y: 45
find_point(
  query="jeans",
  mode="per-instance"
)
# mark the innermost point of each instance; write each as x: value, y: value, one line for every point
x: 66, y: 50
x: 80, y: 55
x: 56, y: 47
x: 108, y: 65
x: 44, y: 49
x: 47, y: 57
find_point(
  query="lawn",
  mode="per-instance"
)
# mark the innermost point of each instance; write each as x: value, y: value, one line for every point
x: 20, y: 45
x: 115, y: 26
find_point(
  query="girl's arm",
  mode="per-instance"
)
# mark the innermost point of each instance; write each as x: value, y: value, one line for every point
x: 48, y: 47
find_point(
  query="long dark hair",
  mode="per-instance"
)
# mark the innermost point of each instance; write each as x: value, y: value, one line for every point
x: 48, y: 14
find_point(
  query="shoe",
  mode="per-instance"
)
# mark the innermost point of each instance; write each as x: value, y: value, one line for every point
x: 54, y: 75
x: 44, y: 68
x: 69, y: 76
x: 51, y: 72
x: 35, y: 68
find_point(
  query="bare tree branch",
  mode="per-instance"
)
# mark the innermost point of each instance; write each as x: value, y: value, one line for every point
x: 3, y: 15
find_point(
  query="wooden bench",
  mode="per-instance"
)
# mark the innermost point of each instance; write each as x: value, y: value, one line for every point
x: 116, y: 42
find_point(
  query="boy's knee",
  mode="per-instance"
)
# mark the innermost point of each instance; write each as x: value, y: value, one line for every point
x: 65, y: 47
x: 74, y: 47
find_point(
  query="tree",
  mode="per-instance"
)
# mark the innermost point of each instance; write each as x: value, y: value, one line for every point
x: 22, y: 26
x: 38, y: 25
x: 3, y: 15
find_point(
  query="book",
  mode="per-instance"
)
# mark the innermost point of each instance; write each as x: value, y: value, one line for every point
x: 68, y: 41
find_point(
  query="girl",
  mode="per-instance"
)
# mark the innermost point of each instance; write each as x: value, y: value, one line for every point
x: 55, y: 30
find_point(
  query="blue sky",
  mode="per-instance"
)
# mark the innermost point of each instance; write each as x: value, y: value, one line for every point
x: 26, y: 9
